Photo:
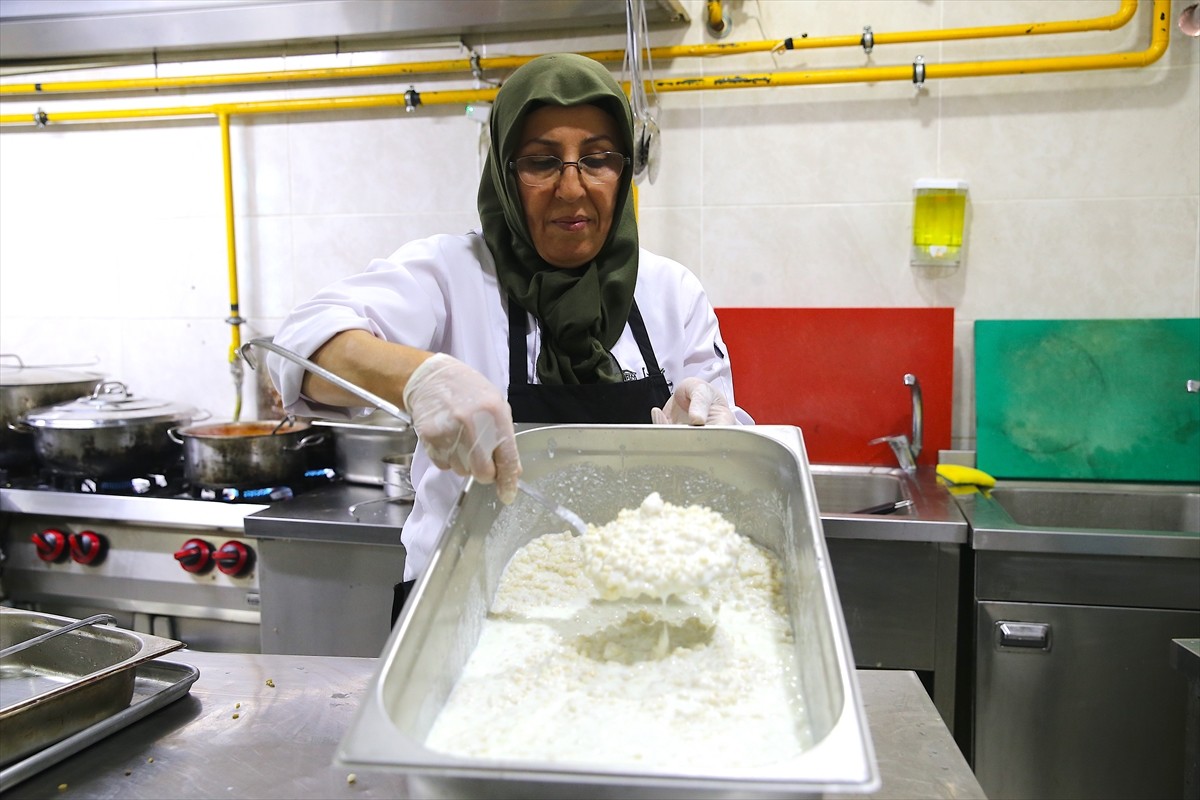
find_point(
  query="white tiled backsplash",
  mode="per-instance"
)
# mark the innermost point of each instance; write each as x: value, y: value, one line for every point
x: 1084, y: 198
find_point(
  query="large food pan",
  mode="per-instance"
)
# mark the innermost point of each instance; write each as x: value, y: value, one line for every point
x: 757, y: 477
x: 65, y: 684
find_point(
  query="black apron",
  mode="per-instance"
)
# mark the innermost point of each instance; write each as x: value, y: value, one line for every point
x: 628, y: 402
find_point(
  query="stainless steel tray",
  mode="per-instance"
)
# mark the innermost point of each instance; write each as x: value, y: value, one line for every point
x: 758, y: 478
x: 156, y: 684
x: 61, y: 686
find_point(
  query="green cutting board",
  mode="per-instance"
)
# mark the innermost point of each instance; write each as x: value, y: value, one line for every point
x: 1101, y: 400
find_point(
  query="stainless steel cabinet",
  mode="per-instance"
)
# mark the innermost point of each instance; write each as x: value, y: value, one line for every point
x: 1074, y: 691
x: 900, y: 601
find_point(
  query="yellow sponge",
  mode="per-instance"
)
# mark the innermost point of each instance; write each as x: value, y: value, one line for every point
x: 959, y: 475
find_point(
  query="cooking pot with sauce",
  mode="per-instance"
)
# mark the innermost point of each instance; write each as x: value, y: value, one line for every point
x: 22, y: 389
x: 109, y: 433
x: 247, y: 454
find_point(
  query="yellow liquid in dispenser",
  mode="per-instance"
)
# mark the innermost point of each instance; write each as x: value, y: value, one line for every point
x: 938, y: 226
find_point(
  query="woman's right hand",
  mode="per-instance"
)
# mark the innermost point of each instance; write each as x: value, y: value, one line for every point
x: 464, y: 422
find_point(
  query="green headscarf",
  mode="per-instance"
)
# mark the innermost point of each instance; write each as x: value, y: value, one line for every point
x: 583, y: 310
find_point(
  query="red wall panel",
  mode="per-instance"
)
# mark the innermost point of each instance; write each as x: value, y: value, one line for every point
x: 838, y: 374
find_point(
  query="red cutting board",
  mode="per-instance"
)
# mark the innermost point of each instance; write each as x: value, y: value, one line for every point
x: 838, y: 374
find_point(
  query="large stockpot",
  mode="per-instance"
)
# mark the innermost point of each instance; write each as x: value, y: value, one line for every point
x: 110, y: 433
x: 366, y: 448
x: 247, y: 454
x: 23, y: 389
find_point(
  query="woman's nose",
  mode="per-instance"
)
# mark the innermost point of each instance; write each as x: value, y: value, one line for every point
x: 570, y: 182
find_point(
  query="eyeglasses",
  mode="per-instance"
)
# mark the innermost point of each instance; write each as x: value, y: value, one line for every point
x: 540, y: 171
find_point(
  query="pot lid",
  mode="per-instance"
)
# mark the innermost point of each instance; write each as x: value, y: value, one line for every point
x: 43, y: 376
x: 110, y: 405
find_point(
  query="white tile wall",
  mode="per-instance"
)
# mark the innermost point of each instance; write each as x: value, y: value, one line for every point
x: 1085, y: 189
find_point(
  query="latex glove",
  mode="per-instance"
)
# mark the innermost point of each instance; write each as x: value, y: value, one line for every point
x: 695, y: 402
x: 464, y: 423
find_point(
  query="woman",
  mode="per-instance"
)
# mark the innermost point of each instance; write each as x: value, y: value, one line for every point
x: 551, y: 314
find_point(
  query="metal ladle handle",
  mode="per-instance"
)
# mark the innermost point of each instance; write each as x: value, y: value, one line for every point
x: 373, y: 399
x: 36, y: 640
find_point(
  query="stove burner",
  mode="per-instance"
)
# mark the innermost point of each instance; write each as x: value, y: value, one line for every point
x: 150, y: 484
x: 15, y: 476
x: 260, y: 494
x: 159, y: 485
x: 136, y: 486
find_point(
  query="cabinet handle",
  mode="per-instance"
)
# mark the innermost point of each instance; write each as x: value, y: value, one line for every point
x: 1025, y: 635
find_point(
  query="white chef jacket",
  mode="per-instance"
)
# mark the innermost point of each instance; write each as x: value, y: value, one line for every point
x: 441, y: 294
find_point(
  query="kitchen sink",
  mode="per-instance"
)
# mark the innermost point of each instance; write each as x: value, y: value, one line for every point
x: 1127, y: 508
x: 846, y: 491
x: 1139, y: 519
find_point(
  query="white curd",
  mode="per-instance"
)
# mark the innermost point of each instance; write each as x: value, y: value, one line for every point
x: 659, y: 549
x: 563, y: 672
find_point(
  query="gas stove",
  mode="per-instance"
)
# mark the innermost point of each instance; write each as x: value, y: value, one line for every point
x: 180, y: 561
x: 163, y: 557
x: 165, y: 485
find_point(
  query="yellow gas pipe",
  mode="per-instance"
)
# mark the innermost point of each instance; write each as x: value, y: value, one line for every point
x: 411, y: 99
x: 1158, y: 44
x: 235, y: 317
x: 715, y: 19
x: 1109, y: 22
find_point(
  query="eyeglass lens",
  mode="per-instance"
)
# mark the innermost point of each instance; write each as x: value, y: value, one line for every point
x: 543, y: 170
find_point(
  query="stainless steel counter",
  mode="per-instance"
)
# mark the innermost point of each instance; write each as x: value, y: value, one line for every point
x: 327, y: 556
x: 341, y: 512
x: 143, y: 510
x: 236, y: 736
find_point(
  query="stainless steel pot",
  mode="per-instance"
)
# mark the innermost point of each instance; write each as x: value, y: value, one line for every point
x: 247, y: 454
x: 362, y: 448
x: 22, y: 389
x: 109, y: 433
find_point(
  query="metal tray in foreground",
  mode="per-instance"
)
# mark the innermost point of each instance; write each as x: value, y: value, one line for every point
x: 156, y: 684
x: 65, y: 684
x: 757, y: 477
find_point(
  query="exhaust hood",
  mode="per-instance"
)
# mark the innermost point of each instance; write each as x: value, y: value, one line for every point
x: 46, y: 30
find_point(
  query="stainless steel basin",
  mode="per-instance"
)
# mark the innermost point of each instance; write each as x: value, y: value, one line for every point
x: 1153, y: 520
x: 845, y: 491
x: 1126, y: 508
x: 848, y: 490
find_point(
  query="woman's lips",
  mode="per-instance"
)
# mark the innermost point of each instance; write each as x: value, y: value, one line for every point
x: 571, y: 224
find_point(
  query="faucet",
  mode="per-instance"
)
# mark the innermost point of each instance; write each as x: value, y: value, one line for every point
x: 906, y: 449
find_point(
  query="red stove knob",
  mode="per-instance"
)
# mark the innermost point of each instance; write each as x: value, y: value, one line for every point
x: 51, y: 544
x: 87, y: 547
x: 196, y: 555
x: 234, y: 558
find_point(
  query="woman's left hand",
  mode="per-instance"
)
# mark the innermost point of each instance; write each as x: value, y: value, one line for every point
x: 695, y: 402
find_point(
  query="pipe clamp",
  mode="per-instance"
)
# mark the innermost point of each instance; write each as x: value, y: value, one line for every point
x: 919, y: 72
x: 412, y: 99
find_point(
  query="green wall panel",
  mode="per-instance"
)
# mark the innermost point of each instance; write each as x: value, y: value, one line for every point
x: 1088, y: 399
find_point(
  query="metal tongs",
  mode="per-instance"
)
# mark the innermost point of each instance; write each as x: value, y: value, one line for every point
x: 566, y: 515
x: 28, y: 643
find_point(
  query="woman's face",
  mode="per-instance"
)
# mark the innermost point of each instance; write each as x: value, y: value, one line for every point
x: 569, y: 219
